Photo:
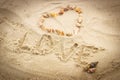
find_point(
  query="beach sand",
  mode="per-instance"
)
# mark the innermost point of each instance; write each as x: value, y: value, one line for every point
x: 28, y: 53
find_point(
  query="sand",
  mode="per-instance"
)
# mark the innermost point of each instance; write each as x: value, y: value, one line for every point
x: 28, y: 53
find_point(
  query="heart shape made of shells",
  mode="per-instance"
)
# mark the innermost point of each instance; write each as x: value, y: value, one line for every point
x: 61, y: 12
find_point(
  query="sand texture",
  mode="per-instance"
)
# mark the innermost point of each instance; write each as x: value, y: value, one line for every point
x: 28, y: 53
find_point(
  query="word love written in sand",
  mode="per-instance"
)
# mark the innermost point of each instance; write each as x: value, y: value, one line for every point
x: 61, y: 12
x: 63, y: 48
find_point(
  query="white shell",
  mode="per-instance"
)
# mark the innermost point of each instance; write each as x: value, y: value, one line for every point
x: 78, y: 25
x: 42, y: 19
x: 72, y: 6
x: 46, y: 15
x: 80, y: 20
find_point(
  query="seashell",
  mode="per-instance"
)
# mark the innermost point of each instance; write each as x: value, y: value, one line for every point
x: 66, y: 9
x: 62, y: 33
x: 93, y: 64
x: 78, y: 10
x: 42, y: 19
x: 72, y: 7
x: 46, y: 15
x: 48, y: 30
x: 79, y: 20
x: 57, y: 31
x: 78, y: 25
x: 68, y: 6
x: 61, y: 12
x: 91, y: 70
x: 53, y: 30
x: 75, y: 45
x: 68, y: 34
x: 53, y: 14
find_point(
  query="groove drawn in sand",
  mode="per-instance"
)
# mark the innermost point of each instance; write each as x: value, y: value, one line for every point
x: 10, y: 22
x: 22, y: 40
x: 11, y: 18
x: 64, y: 49
x: 84, y: 52
x: 67, y: 54
x: 112, y: 69
x: 45, y: 44
x: 76, y: 53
